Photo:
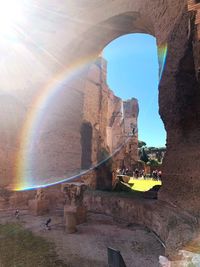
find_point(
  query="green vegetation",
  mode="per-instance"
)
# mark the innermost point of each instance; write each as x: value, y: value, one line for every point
x: 21, y: 248
x: 144, y: 157
x: 153, y: 163
x: 153, y: 156
x: 141, y: 144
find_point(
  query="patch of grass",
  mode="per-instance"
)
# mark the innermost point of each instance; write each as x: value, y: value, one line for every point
x: 143, y: 185
x: 21, y: 248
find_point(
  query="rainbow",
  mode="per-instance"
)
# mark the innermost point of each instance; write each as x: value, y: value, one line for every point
x: 24, y: 181
x: 162, y: 56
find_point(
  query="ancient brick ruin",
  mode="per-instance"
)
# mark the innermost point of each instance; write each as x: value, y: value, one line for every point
x: 84, y: 105
x: 98, y: 125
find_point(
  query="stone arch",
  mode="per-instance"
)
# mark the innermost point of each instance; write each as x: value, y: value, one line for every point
x: 168, y: 21
x: 86, y: 30
x: 93, y: 41
x: 180, y: 111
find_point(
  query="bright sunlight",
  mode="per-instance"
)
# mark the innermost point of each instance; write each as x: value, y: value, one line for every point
x: 10, y: 14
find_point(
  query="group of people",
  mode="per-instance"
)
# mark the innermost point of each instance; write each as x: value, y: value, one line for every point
x: 46, y: 224
x: 156, y: 174
x: 139, y: 173
x: 123, y: 171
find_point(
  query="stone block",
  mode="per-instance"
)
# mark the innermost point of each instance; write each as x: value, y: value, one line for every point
x: 70, y: 222
x: 21, y: 199
x: 79, y: 211
x: 81, y: 214
x: 73, y: 193
x: 38, y: 207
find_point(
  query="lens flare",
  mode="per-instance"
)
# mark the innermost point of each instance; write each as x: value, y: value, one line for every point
x: 162, y: 55
x: 25, y: 177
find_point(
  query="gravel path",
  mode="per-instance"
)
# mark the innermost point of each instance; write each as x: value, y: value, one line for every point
x: 88, y: 246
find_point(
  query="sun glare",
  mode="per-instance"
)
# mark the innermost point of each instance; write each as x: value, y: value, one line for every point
x: 10, y: 13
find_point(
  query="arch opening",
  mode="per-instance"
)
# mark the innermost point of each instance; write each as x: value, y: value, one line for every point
x: 133, y: 74
x: 95, y: 40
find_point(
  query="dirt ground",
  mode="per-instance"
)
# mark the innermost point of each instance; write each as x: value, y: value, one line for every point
x: 88, y: 246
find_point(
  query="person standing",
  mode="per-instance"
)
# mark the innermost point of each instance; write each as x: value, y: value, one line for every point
x: 47, y: 224
x: 136, y: 173
x: 17, y: 214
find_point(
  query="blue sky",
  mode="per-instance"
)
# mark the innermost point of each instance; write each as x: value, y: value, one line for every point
x: 132, y: 71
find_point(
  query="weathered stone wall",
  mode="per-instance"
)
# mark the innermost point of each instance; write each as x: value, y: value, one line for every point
x: 95, y: 106
x: 180, y: 111
x: 55, y: 152
x: 112, y: 121
x: 12, y: 115
x: 123, y: 129
x: 131, y: 110
x: 174, y: 227
x: 54, y: 147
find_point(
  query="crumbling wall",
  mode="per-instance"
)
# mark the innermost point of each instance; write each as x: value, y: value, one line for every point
x: 180, y: 112
x: 112, y: 120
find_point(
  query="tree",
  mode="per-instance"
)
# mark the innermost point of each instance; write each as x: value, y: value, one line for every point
x: 141, y: 144
x: 153, y: 163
